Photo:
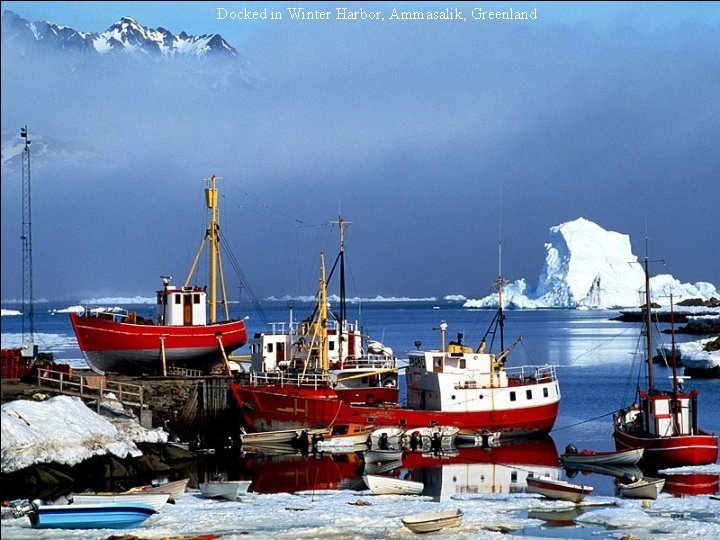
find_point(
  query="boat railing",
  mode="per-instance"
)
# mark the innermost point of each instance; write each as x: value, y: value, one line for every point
x: 532, y: 374
x: 110, y: 314
x: 520, y: 375
x: 285, y: 327
x: 375, y: 361
x: 282, y: 378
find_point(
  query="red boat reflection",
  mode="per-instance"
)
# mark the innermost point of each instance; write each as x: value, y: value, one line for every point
x: 500, y: 469
x: 684, y: 485
x: 290, y: 473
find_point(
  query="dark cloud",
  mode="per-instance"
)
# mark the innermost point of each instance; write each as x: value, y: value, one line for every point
x: 434, y: 139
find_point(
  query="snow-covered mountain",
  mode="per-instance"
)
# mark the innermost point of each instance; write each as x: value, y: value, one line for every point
x: 126, y: 36
x: 589, y: 267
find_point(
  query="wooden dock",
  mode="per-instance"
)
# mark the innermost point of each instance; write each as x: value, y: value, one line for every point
x: 185, y: 403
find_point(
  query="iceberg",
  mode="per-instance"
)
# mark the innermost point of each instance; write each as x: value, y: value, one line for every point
x: 587, y: 267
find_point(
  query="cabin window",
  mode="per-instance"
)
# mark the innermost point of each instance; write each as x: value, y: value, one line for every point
x: 159, y: 298
x: 196, y: 298
x: 512, y: 396
x: 528, y: 394
x: 270, y: 347
x: 331, y: 346
x: 462, y: 363
x: 545, y: 392
x: 177, y: 298
x: 188, y: 299
x: 513, y: 477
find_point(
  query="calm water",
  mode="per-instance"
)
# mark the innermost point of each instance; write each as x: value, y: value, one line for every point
x: 595, y: 355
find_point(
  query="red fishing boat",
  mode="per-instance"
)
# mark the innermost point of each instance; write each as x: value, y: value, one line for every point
x: 359, y: 370
x: 178, y: 335
x: 451, y: 386
x: 664, y: 422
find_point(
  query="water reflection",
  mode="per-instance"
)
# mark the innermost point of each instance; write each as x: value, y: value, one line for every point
x: 450, y: 472
x: 500, y: 469
x: 683, y: 485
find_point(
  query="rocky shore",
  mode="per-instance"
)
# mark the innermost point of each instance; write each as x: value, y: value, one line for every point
x: 105, y: 472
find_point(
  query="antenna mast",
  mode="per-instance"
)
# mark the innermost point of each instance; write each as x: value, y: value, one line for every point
x: 343, y: 301
x: 500, y: 283
x: 26, y: 237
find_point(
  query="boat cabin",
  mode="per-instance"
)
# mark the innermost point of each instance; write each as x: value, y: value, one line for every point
x: 665, y: 415
x: 184, y: 306
x: 290, y: 345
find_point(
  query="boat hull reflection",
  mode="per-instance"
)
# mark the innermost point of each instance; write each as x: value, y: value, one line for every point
x: 499, y: 469
x: 476, y: 470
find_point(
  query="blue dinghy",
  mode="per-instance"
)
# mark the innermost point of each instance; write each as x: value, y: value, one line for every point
x: 89, y: 516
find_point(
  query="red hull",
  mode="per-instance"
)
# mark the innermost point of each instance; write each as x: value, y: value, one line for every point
x: 131, y: 348
x: 675, y: 451
x: 285, y: 407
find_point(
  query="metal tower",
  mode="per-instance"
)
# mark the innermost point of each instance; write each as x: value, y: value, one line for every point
x: 27, y: 292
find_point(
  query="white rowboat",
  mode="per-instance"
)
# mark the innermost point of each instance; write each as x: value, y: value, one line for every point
x: 433, y: 521
x: 557, y: 489
x: 387, y: 485
x: 224, y: 489
x: 645, y: 488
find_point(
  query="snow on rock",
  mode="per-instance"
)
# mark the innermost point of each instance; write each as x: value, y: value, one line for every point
x: 589, y: 267
x: 64, y: 430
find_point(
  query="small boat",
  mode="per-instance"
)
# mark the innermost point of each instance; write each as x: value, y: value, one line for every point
x: 156, y: 500
x: 376, y: 456
x: 387, y: 485
x: 224, y: 489
x: 572, y: 456
x: 644, y: 488
x: 557, y: 489
x: 174, y: 489
x: 432, y: 438
x: 109, y: 515
x: 563, y: 517
x: 383, y: 438
x: 182, y: 334
x: 281, y: 436
x: 433, y: 521
x: 355, y: 433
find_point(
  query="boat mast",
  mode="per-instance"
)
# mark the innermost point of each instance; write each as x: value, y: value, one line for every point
x: 323, y: 317
x: 648, y: 326
x: 343, y: 306
x: 212, y: 235
x: 500, y: 282
x: 27, y: 296
x: 674, y: 360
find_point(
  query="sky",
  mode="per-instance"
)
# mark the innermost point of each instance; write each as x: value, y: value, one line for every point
x: 438, y: 140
